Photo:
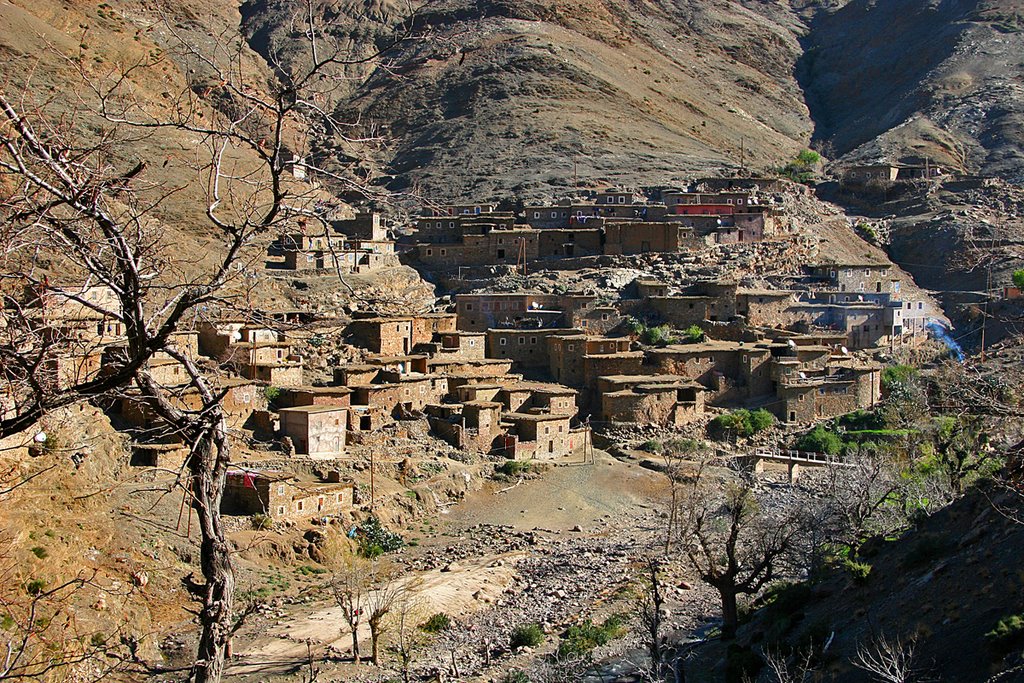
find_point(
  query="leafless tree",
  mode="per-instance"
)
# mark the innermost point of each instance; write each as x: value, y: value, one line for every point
x: 864, y: 494
x: 409, y: 638
x: 733, y: 544
x: 349, y: 583
x: 387, y: 591
x: 887, y: 660
x: 72, y: 198
x: 650, y: 603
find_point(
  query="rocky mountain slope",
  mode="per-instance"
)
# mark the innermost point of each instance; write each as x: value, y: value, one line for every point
x: 496, y: 98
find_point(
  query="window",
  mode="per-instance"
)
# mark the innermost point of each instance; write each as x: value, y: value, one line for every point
x: 522, y: 340
x: 867, y: 273
x: 920, y: 305
x: 533, y: 340
x: 572, y: 347
x: 604, y: 316
x: 280, y: 490
x: 298, y: 506
x: 554, y: 214
x: 451, y: 224
x: 430, y: 252
x: 280, y: 509
x: 536, y: 214
x: 444, y: 252
x: 502, y: 341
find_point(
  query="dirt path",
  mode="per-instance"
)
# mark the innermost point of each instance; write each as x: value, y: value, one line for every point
x: 459, y: 591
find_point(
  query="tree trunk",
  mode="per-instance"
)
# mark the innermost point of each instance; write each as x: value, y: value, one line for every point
x: 730, y: 614
x: 208, y: 467
x: 355, y: 643
x: 374, y: 643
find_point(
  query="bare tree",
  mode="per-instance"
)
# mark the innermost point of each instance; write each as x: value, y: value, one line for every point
x: 887, y: 660
x: 650, y: 602
x: 349, y: 583
x: 864, y: 494
x: 387, y: 591
x: 409, y: 637
x: 734, y: 545
x: 76, y: 202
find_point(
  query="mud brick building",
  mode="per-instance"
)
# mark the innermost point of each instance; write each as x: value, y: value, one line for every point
x: 730, y: 371
x: 664, y: 400
x: 385, y: 336
x: 483, y: 311
x: 526, y: 347
x: 643, y: 237
x: 567, y: 354
x: 470, y: 425
x: 837, y: 389
x: 541, y: 436
x: 317, y: 431
x: 284, y: 496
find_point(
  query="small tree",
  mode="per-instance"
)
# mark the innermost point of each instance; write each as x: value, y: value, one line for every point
x: 735, y: 546
x: 1018, y: 278
x: 962, y: 450
x: 411, y: 634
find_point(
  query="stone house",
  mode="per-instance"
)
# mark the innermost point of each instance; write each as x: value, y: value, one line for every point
x: 526, y: 347
x: 482, y: 311
x: 568, y: 242
x: 385, y: 336
x: 644, y: 237
x: 472, y: 425
x: 836, y: 390
x: 317, y: 431
x: 541, y: 436
x: 284, y: 496
x: 664, y: 400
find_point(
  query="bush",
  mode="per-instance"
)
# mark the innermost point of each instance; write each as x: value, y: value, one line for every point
x: 693, y: 334
x: 1018, y: 278
x: 515, y: 468
x: 652, y: 446
x: 657, y: 336
x: 1008, y: 632
x: 40, y: 552
x: 272, y: 393
x: 897, y: 376
x: 859, y: 571
x: 437, y: 623
x: 680, y: 447
x: 35, y: 586
x: 801, y: 168
x: 375, y: 539
x: 515, y: 676
x: 582, y: 638
x: 741, y: 423
x: 820, y: 440
x: 526, y: 635
x: 261, y: 522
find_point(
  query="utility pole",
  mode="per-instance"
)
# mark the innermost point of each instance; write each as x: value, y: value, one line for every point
x: 743, y: 156
x: 372, y: 497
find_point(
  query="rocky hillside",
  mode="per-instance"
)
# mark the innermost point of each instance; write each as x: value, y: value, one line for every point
x: 493, y: 98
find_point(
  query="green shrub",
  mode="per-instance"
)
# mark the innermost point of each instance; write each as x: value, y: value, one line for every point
x: 515, y: 676
x: 526, y: 635
x: 693, y: 334
x: 1007, y: 634
x: 1018, y: 278
x: 741, y: 422
x: 680, y: 447
x: 40, y: 552
x: 515, y: 468
x: 261, y: 522
x: 759, y: 420
x: 657, y: 336
x: 897, y: 376
x: 375, y: 539
x: 35, y: 586
x: 859, y: 571
x: 652, y: 446
x: 582, y: 638
x: 272, y: 393
x: 820, y: 440
x: 801, y: 168
x: 310, y: 570
x: 437, y: 623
